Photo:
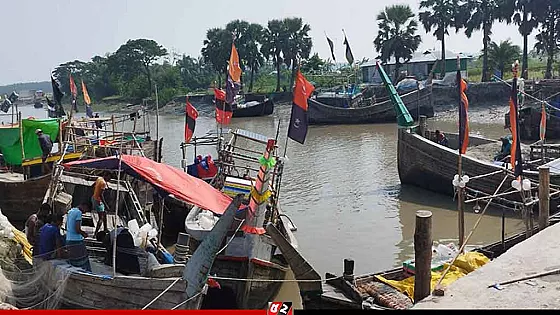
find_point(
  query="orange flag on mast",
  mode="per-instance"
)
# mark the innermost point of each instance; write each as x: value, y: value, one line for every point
x: 542, y: 130
x: 234, y: 68
x: 73, y: 88
x: 87, y: 100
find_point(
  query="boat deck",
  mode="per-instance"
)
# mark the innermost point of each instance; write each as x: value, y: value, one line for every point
x: 540, y: 253
x: 554, y: 166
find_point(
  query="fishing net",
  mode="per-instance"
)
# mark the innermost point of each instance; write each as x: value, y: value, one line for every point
x: 23, y: 284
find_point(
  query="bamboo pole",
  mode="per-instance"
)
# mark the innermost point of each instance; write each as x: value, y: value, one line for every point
x: 21, y: 135
x: 117, y: 209
x: 422, y: 255
x: 157, y: 114
x: 544, y: 196
x: 438, y: 290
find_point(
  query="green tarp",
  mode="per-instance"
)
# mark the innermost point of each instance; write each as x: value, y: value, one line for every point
x: 10, y: 145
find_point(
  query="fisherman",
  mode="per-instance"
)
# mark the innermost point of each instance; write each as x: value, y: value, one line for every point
x: 50, y: 240
x: 34, y: 224
x: 46, y: 147
x: 98, y: 123
x: 441, y: 138
x: 505, y: 151
x: 97, y: 202
x: 77, y: 252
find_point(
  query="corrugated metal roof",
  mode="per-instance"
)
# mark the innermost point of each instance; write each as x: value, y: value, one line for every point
x: 424, y: 56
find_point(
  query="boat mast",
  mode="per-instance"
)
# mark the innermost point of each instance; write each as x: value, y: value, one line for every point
x: 460, y: 190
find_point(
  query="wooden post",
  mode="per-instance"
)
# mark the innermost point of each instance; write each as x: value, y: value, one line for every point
x: 544, y: 196
x: 461, y: 203
x: 20, y: 123
x: 348, y: 273
x: 422, y: 126
x: 113, y: 123
x: 422, y: 255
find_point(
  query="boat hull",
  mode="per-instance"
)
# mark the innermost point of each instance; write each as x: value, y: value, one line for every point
x: 264, y: 108
x: 21, y: 198
x: 417, y: 103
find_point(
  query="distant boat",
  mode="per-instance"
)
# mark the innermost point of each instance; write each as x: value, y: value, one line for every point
x: 38, y: 104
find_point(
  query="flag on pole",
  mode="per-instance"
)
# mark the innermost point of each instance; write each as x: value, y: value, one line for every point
x: 87, y: 100
x: 55, y: 109
x: 233, y: 81
x: 542, y: 130
x: 515, y: 158
x: 331, y: 45
x: 191, y: 114
x: 463, y: 114
x: 219, y: 94
x: 297, y: 130
x: 73, y: 88
x: 349, y: 55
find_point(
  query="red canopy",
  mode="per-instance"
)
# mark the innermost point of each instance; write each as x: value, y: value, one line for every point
x: 164, y: 178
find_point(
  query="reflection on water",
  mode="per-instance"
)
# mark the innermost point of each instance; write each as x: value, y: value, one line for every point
x: 343, y: 192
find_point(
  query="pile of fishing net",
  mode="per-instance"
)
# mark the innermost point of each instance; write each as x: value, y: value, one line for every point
x: 21, y: 284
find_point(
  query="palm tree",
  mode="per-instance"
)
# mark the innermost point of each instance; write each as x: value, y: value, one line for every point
x: 273, y: 39
x: 549, y: 32
x: 502, y: 55
x: 216, y: 50
x: 253, y: 56
x: 525, y: 17
x: 481, y: 14
x: 396, y: 35
x: 297, y: 44
x: 440, y: 15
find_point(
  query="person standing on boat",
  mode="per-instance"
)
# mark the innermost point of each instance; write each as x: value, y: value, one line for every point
x: 50, y: 240
x: 77, y: 252
x: 46, y: 147
x: 441, y: 138
x: 97, y: 202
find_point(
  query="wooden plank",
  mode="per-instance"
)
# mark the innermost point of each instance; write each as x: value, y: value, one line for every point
x: 52, y: 158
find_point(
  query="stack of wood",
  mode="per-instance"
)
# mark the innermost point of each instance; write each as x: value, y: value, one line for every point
x: 386, y: 295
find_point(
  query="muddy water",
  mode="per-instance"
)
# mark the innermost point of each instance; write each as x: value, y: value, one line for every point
x: 342, y: 189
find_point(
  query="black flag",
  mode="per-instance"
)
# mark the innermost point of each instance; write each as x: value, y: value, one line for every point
x: 57, y: 93
x: 331, y: 45
x: 349, y: 55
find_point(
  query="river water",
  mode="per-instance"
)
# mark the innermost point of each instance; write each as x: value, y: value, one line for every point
x: 342, y: 189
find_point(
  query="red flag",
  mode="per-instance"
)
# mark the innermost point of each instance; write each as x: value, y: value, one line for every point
x: 542, y: 130
x: 297, y: 130
x: 224, y: 111
x: 515, y: 158
x: 219, y: 94
x: 73, y: 88
x: 191, y: 114
x: 463, y: 116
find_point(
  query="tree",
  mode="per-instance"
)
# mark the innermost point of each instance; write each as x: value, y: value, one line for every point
x: 548, y: 37
x: 297, y: 44
x: 273, y: 42
x: 440, y: 15
x: 502, y: 55
x: 195, y: 73
x: 252, y: 53
x: 525, y: 17
x: 137, y: 55
x: 396, y: 36
x: 217, y: 49
x: 315, y: 63
x: 481, y: 14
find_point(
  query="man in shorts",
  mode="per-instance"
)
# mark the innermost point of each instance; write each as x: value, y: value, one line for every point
x: 97, y: 201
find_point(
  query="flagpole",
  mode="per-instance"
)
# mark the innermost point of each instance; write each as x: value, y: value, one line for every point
x: 460, y: 192
x: 157, y: 116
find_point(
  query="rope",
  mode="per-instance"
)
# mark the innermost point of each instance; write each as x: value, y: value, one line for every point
x: 162, y: 293
x: 231, y: 239
x: 274, y: 280
x: 187, y: 300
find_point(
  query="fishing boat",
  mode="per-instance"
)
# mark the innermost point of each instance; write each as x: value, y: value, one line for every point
x: 372, y: 291
x: 254, y: 106
x: 354, y: 109
x: 138, y: 281
x: 250, y: 252
x: 530, y: 121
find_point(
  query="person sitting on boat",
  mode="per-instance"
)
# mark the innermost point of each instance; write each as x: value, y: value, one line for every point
x: 50, y: 240
x: 441, y: 138
x: 77, y: 252
x: 34, y: 224
x: 505, y: 150
x: 98, y: 187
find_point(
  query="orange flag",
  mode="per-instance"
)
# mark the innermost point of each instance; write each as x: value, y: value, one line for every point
x: 73, y: 88
x: 87, y: 100
x: 234, y: 68
x: 542, y: 128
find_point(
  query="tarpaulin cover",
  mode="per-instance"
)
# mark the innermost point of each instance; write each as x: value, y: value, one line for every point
x: 464, y: 264
x: 166, y: 179
x: 10, y: 145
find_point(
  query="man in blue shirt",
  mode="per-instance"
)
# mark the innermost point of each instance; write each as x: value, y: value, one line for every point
x: 77, y: 252
x: 50, y: 240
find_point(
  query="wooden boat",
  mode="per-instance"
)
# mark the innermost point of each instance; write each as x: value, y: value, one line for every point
x: 429, y: 165
x: 248, y: 255
x: 530, y: 121
x: 348, y: 291
x: 322, y: 111
x: 105, y: 288
x: 254, y: 108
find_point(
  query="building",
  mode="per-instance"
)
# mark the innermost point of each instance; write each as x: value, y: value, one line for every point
x: 419, y: 66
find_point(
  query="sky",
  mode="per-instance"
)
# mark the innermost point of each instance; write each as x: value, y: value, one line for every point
x: 39, y: 35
